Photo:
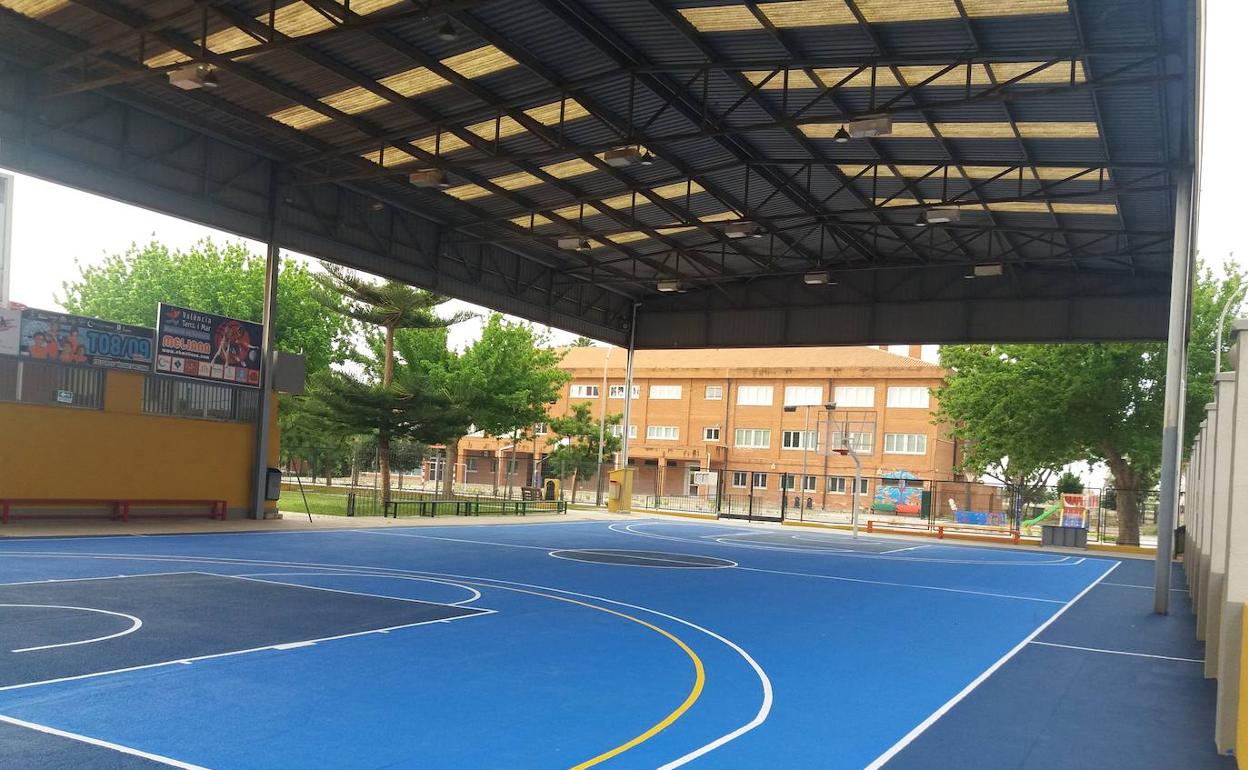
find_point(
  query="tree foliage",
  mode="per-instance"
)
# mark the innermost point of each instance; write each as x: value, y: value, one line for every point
x: 576, y: 444
x: 1032, y: 408
x: 224, y: 279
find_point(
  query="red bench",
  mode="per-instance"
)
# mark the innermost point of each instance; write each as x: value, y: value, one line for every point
x: 122, y: 510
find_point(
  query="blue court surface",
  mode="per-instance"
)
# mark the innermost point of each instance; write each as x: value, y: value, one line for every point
x: 634, y: 644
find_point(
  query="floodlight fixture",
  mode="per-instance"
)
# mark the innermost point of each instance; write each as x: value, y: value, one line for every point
x: 841, y: 136
x: 668, y: 286
x: 818, y: 278
x: 448, y: 33
x: 621, y: 157
x: 193, y: 77
x: 990, y: 270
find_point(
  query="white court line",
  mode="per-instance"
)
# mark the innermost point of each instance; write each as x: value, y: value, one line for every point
x: 921, y: 727
x: 135, y: 625
x: 678, y: 564
x: 1117, y: 652
x: 1064, y: 561
x: 1133, y: 585
x: 475, y: 593
x: 102, y: 577
x: 231, y: 653
x: 102, y: 744
x: 911, y: 548
x: 903, y: 585
x: 759, y: 718
x: 451, y: 539
x: 342, y: 591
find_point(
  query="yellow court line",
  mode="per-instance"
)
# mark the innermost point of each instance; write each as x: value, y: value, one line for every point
x: 690, y: 699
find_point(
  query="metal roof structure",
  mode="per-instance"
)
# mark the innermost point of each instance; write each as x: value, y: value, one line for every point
x: 578, y: 161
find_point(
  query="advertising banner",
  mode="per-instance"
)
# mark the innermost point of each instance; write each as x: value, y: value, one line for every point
x: 210, y: 347
x: 71, y: 339
x: 10, y: 331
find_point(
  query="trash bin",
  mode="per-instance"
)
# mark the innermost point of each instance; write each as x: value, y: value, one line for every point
x: 272, y: 484
x: 1067, y: 537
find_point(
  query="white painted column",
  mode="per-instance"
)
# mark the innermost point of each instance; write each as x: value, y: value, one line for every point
x: 1223, y: 427
x: 1200, y: 598
x: 1235, y: 585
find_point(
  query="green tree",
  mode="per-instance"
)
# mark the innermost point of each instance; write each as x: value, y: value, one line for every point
x: 502, y: 384
x: 1069, y: 483
x: 224, y: 279
x: 576, y: 444
x: 582, y: 342
x: 1051, y: 404
x: 390, y: 306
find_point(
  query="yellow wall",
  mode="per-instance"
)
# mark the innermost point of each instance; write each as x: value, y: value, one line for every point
x: 119, y: 452
x: 1241, y: 728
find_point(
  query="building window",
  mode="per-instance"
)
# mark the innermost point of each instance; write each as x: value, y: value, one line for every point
x: 862, y: 442
x: 714, y: 392
x: 808, y: 483
x: 472, y: 464
x: 662, y: 432
x: 905, y: 443
x: 754, y: 395
x: 202, y: 400
x: 803, y: 395
x: 618, y: 431
x: 710, y: 434
x: 837, y: 485
x: 760, y: 480
x: 511, y: 466
x: 851, y: 395
x: 540, y: 429
x: 739, y: 479
x: 786, y: 481
x: 907, y: 397
x: 665, y: 392
x: 799, y: 439
x: 752, y: 438
x: 54, y: 384
x: 617, y: 391
x: 584, y: 391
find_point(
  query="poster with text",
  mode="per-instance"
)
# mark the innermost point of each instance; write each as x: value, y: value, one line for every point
x: 206, y: 346
x: 71, y: 339
x: 10, y: 331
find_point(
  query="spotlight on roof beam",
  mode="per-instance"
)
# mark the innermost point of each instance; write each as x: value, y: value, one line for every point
x: 869, y: 127
x: 986, y: 271
x: 818, y: 278
x: 841, y: 136
x: 448, y: 32
x: 627, y: 156
x: 938, y: 217
x: 193, y: 77
x: 668, y: 286
x: 573, y: 243
x: 743, y: 230
x: 429, y: 177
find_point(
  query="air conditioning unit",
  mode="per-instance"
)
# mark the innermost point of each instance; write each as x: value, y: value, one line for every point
x: 193, y: 77
x: 869, y: 127
x: 743, y: 230
x: 573, y: 243
x: 429, y: 177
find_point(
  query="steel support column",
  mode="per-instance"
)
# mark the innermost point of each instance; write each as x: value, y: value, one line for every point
x: 628, y: 397
x: 264, y: 410
x: 1176, y: 366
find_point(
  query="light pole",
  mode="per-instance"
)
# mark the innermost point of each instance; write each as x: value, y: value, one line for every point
x: 602, y: 425
x: 1217, y: 343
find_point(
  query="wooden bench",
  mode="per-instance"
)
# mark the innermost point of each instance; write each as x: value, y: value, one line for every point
x: 122, y: 509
